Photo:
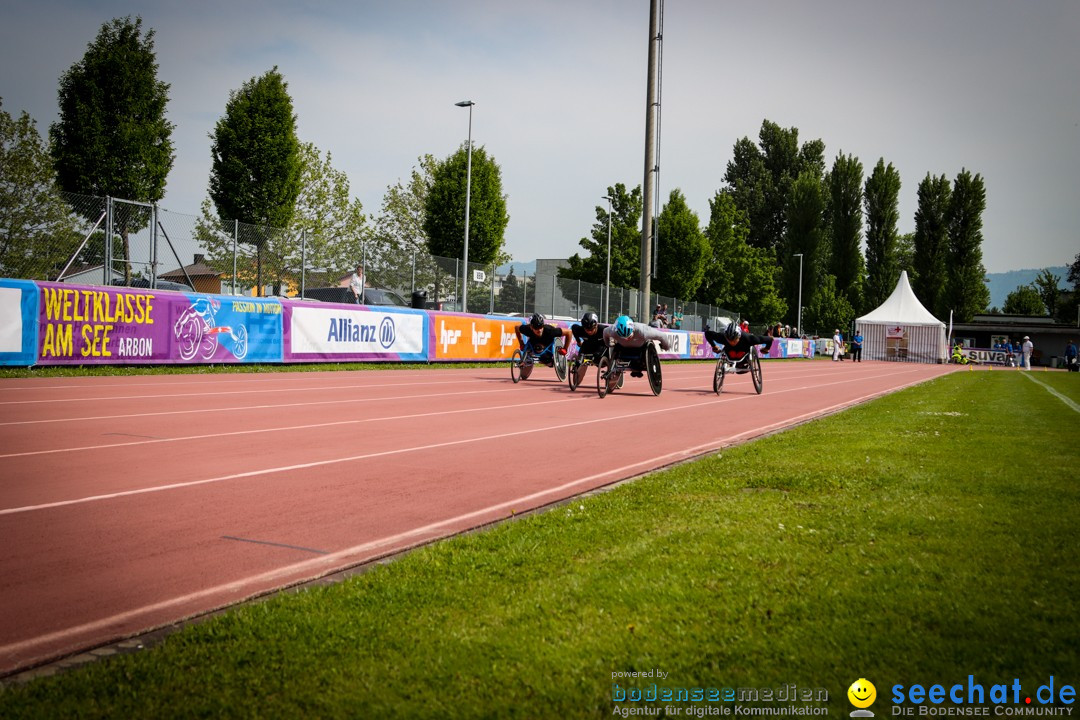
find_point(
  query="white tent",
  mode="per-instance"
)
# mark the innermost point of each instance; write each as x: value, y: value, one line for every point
x: 902, y: 329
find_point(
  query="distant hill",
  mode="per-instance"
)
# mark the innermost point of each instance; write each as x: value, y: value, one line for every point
x: 1001, y: 284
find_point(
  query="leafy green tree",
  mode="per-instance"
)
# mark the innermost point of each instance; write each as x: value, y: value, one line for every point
x: 805, y: 234
x: 1047, y: 284
x: 1068, y: 309
x: 761, y: 178
x: 967, y: 292
x: 845, y: 201
x: 257, y: 165
x: 737, y: 276
x: 626, y: 208
x: 1024, y: 300
x: 882, y: 198
x: 112, y: 137
x: 682, y: 250
x: 511, y: 298
x: 931, y: 244
x: 828, y: 310
x: 399, y: 237
x: 37, y: 230
x: 905, y: 255
x: 444, y: 220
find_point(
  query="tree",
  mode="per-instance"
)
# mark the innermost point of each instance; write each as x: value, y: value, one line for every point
x: 738, y: 277
x: 829, y: 309
x: 511, y: 297
x: 399, y: 236
x: 805, y: 234
x: 905, y: 254
x: 444, y: 206
x: 967, y: 292
x: 1046, y: 283
x: 760, y: 179
x: 931, y: 244
x: 626, y: 208
x: 845, y: 222
x: 1024, y: 300
x: 257, y: 165
x: 112, y: 137
x: 881, y: 198
x: 36, y: 227
x: 682, y: 249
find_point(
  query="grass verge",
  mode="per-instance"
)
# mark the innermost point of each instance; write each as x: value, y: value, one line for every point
x: 924, y: 537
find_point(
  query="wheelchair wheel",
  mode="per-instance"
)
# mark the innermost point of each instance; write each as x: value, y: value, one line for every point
x: 652, y: 369
x: 515, y: 366
x: 755, y: 371
x: 718, y: 375
x: 602, y: 368
x: 560, y: 366
x: 576, y: 373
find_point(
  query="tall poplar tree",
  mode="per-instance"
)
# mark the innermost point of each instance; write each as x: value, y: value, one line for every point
x: 881, y: 198
x: 112, y: 137
x: 932, y: 244
x: 845, y: 224
x: 255, y: 177
x: 805, y: 234
x: 967, y: 293
x: 683, y: 249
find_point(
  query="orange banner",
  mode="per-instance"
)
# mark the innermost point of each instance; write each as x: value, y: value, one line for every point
x: 458, y: 337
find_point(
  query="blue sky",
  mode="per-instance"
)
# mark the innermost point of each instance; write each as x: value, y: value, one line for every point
x: 987, y: 85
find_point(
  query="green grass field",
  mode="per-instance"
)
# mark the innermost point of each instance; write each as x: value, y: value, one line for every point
x: 921, y: 538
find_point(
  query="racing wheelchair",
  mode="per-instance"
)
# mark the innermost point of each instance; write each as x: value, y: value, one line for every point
x: 522, y: 362
x: 579, y: 368
x: 610, y: 368
x: 750, y: 362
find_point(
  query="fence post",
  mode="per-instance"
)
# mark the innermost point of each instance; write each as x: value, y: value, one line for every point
x: 525, y: 292
x: 153, y: 245
x: 552, y: 294
x: 303, y: 263
x: 492, y: 310
x: 457, y: 277
x: 414, y: 271
x: 235, y: 236
x: 107, y: 260
x: 578, y: 297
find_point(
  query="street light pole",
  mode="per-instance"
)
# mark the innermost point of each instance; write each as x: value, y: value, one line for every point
x: 607, y: 292
x: 468, y: 192
x: 799, y: 320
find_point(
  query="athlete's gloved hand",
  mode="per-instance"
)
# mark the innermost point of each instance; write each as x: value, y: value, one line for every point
x: 562, y: 351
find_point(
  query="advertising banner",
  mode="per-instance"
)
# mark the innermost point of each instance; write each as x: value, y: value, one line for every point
x: 87, y: 324
x: 791, y: 348
x: 342, y: 334
x: 470, y: 337
x: 18, y: 322
x: 985, y: 356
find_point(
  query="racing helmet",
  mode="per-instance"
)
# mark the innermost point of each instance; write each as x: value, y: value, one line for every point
x: 624, y: 326
x: 589, y: 320
x: 732, y: 332
x: 537, y: 321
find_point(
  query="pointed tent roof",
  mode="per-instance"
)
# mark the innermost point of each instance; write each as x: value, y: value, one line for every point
x: 902, y: 308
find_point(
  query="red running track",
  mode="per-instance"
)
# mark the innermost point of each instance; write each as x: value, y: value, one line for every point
x: 129, y: 503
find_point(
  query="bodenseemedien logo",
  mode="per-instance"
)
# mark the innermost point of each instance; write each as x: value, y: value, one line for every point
x: 862, y: 694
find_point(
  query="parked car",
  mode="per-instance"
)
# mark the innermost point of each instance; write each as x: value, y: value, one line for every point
x: 372, y: 296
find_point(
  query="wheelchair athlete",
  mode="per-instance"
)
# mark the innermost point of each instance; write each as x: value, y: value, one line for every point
x: 627, y: 335
x: 735, y: 341
x: 540, y: 336
x: 589, y: 334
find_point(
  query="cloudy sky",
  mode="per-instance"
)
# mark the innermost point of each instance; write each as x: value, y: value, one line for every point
x: 559, y: 85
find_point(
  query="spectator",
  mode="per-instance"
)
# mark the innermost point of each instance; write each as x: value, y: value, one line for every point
x: 1027, y: 348
x: 356, y: 284
x: 837, y: 346
x: 1010, y: 359
x: 1070, y: 357
x: 856, y: 347
x: 659, y: 319
x: 676, y: 320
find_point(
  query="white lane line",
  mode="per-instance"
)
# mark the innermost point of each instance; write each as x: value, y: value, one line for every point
x: 307, y: 403
x: 289, y: 428
x: 336, y: 561
x: 421, y: 448
x: 1055, y: 393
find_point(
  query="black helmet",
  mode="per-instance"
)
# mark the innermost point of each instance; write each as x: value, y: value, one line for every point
x: 732, y: 332
x: 537, y: 321
x: 589, y: 320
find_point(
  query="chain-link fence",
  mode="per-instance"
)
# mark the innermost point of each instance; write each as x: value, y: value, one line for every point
x: 107, y: 241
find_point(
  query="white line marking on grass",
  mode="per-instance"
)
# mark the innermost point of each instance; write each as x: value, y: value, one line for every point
x: 449, y: 443
x: 1055, y: 393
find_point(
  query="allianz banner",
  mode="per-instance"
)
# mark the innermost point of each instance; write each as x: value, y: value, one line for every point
x: 83, y: 325
x: 325, y: 331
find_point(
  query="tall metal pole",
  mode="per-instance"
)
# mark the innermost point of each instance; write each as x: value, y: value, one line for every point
x: 607, y: 292
x: 799, y: 315
x: 650, y: 154
x: 468, y: 192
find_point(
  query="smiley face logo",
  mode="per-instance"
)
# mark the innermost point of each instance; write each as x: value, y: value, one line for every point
x: 862, y: 693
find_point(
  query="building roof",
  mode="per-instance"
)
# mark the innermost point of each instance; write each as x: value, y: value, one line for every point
x: 199, y: 268
x: 902, y: 308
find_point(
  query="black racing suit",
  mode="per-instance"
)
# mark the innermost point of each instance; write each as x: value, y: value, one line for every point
x: 589, y: 345
x: 737, y: 350
x: 541, y: 345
